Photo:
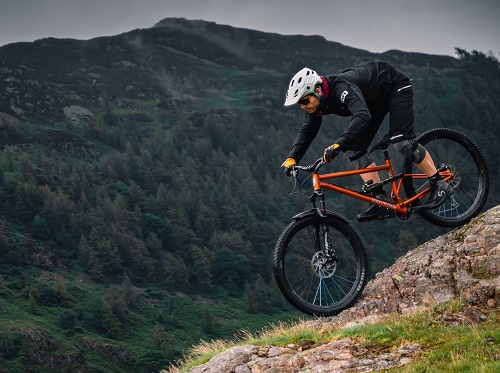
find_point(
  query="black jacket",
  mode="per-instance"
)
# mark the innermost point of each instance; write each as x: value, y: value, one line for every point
x: 351, y: 93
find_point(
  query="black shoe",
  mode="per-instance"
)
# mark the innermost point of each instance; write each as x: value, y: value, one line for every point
x: 440, y: 192
x: 374, y: 211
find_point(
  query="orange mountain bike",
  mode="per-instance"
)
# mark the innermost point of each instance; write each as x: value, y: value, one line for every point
x: 320, y: 263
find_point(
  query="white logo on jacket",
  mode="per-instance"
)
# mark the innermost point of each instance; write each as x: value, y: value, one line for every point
x: 343, y: 96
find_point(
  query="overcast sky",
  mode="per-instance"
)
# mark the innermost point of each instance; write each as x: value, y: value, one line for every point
x: 426, y: 26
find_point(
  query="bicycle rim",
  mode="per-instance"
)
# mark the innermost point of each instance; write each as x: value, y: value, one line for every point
x: 307, y: 281
x: 470, y: 177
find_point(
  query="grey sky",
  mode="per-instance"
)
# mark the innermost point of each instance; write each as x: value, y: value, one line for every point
x: 427, y: 26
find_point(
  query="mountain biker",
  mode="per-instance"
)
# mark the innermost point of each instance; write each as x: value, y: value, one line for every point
x: 367, y: 93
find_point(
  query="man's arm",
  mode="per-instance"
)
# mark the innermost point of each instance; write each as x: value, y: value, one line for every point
x: 305, y: 137
x: 354, y: 101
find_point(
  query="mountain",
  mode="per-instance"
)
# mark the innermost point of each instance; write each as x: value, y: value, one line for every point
x: 462, y: 266
x: 175, y: 59
x: 141, y: 191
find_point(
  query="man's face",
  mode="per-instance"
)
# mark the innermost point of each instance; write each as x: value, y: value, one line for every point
x: 310, y: 103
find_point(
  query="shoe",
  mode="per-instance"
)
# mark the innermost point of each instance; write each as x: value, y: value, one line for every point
x: 374, y: 211
x: 440, y: 192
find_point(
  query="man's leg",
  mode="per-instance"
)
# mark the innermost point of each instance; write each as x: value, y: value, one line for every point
x: 427, y: 166
x: 374, y: 176
x: 440, y: 189
x: 365, y: 161
x: 361, y: 160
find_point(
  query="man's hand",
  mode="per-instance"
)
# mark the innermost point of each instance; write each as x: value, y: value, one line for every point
x: 289, y: 162
x: 331, y: 152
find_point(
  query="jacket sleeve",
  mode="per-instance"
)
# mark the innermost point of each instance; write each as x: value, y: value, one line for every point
x: 305, y: 137
x: 360, y: 119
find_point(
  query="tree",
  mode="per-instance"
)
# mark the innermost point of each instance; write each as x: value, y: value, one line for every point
x: 110, y: 323
x: 40, y: 228
x: 60, y: 288
x: 26, y: 168
x: 230, y: 269
x: 208, y: 326
x: 68, y: 319
x: 57, y: 210
x: 161, y: 339
x: 250, y: 300
x: 262, y: 295
x: 177, y: 273
x: 90, y: 260
x: 28, y: 201
x: 203, y: 260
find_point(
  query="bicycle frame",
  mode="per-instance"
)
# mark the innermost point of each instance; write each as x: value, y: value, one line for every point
x: 400, y: 206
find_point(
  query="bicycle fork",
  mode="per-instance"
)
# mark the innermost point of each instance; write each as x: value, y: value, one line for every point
x: 322, y: 228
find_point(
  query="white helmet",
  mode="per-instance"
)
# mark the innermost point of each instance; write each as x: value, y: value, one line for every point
x: 302, y: 84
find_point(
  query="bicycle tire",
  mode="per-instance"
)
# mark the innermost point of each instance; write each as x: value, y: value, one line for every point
x: 470, y: 177
x: 313, y: 290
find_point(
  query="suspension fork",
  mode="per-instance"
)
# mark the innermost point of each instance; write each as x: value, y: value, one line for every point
x: 323, y: 226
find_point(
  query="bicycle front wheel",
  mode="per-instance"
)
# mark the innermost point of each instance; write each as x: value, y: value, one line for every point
x: 312, y: 282
x: 470, y: 179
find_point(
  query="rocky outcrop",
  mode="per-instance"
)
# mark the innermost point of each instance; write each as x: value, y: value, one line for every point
x: 464, y: 263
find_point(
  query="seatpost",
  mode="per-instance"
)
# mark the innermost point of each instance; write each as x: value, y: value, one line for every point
x: 386, y: 154
x: 387, y: 159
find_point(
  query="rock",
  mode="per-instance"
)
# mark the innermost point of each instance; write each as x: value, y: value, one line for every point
x: 336, y: 356
x: 74, y: 112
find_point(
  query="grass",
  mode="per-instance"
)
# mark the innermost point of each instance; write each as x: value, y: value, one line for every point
x: 446, y: 348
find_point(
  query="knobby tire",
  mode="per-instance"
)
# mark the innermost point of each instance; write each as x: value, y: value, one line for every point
x: 470, y: 181
x: 306, y: 285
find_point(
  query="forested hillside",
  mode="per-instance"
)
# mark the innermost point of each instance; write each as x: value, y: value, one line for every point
x: 141, y: 189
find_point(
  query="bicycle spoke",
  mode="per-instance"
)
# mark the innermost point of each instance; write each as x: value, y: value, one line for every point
x: 470, y: 177
x: 316, y: 279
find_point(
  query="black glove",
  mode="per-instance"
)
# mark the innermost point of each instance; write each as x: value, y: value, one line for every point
x: 331, y: 152
x: 289, y: 162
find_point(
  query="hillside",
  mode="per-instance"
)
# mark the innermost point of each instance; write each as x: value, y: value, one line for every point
x: 463, y: 265
x: 141, y: 193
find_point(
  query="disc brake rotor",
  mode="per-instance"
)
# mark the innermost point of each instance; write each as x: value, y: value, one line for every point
x: 321, y: 266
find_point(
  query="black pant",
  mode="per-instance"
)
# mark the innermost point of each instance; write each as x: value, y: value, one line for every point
x: 399, y: 105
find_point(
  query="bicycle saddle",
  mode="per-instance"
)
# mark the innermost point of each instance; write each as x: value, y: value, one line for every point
x: 382, y: 144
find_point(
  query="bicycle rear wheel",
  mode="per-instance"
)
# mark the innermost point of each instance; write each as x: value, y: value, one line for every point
x: 304, y: 275
x: 470, y: 179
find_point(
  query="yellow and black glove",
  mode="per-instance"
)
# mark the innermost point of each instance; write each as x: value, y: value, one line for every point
x: 331, y: 152
x: 289, y: 162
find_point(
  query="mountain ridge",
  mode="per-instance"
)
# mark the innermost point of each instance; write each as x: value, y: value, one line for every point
x: 141, y: 53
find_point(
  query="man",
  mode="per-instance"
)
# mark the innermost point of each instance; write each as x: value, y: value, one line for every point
x: 367, y: 93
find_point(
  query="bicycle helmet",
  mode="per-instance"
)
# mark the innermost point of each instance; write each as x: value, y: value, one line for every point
x: 302, y: 84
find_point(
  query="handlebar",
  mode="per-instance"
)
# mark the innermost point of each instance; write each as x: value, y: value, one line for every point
x: 312, y: 168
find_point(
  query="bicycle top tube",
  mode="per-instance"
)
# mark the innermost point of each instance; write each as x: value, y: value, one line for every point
x: 317, y: 178
x: 314, y: 168
x: 353, y: 172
